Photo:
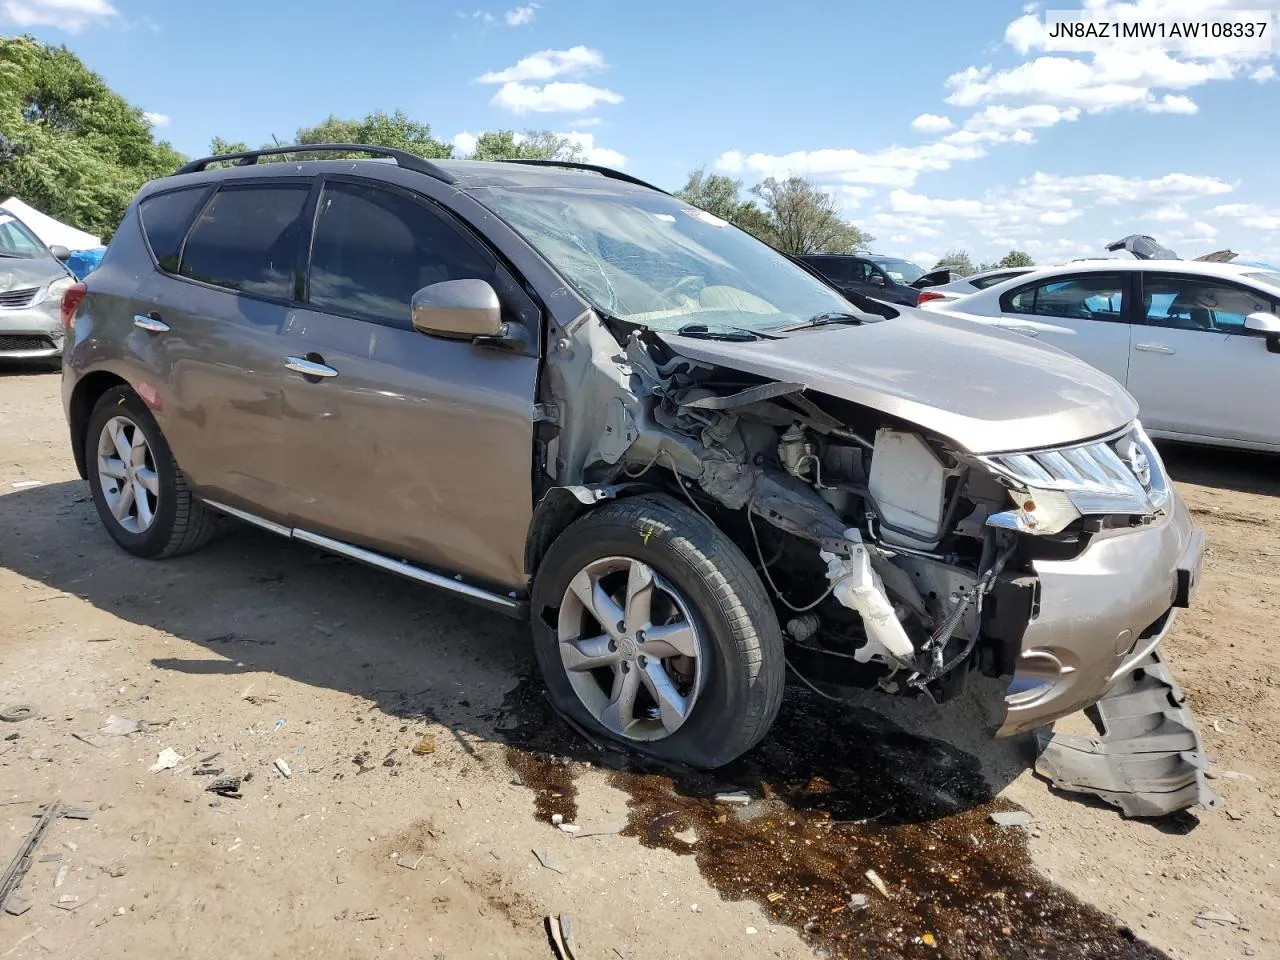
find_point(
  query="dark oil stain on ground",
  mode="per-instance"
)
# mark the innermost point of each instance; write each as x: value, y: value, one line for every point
x: 837, y: 792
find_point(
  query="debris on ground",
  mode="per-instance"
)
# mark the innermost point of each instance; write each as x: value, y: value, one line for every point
x: 17, y: 905
x: 859, y: 901
x: 874, y: 879
x: 739, y: 798
x: 1221, y: 917
x: 84, y: 738
x: 570, y: 828
x: 560, y: 935
x: 557, y: 819
x: 17, y: 712
x: 283, y: 767
x: 550, y: 862
x: 226, y: 787
x: 404, y: 862
x: 167, y: 760
x: 21, y: 862
x: 120, y: 726
x: 61, y: 877
x: 425, y: 746
x: 688, y: 836
x: 359, y: 915
x: 1011, y: 818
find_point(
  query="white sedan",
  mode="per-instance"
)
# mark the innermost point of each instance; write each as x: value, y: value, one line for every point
x: 1197, y: 344
x: 970, y: 284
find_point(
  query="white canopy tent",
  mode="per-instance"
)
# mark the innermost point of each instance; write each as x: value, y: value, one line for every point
x: 49, y: 230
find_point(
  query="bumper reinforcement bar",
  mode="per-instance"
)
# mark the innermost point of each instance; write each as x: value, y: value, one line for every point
x: 1148, y: 759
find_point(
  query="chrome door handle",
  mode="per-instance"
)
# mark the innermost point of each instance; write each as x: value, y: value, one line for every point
x: 1154, y: 348
x: 309, y: 368
x: 149, y: 324
x: 1023, y: 329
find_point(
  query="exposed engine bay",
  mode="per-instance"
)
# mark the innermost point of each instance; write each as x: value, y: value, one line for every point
x: 872, y: 536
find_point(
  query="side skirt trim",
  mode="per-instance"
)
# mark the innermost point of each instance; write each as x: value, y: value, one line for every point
x: 502, y: 604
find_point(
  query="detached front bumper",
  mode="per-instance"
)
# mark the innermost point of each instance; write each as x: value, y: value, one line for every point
x: 1100, y: 615
x: 32, y: 333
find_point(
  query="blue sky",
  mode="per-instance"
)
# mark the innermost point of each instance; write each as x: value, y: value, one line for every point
x: 937, y: 124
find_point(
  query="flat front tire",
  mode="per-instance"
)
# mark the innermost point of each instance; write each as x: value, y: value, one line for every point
x: 652, y: 629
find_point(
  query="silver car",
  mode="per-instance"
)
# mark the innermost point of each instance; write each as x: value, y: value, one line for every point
x: 688, y: 462
x: 32, y: 282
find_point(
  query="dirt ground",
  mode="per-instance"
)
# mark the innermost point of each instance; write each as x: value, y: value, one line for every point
x: 256, y: 651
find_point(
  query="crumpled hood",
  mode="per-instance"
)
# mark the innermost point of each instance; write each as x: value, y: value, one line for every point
x: 986, y: 389
x: 19, y: 272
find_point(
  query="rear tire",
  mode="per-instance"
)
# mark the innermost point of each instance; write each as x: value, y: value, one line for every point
x: 733, y: 685
x: 141, y: 494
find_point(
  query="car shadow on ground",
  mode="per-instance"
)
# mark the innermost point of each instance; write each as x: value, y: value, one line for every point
x: 836, y: 794
x: 262, y: 604
x: 1222, y: 468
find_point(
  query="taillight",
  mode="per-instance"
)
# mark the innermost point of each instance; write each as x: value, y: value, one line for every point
x: 71, y: 301
x: 925, y: 297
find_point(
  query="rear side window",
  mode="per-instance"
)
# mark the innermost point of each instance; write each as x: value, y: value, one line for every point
x: 1096, y: 296
x: 165, y: 218
x: 247, y: 239
x: 374, y: 248
x: 990, y: 280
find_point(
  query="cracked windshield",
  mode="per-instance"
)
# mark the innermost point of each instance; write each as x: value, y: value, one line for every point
x: 653, y: 260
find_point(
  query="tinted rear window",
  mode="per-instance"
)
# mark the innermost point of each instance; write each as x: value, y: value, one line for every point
x: 247, y: 239
x: 165, y: 218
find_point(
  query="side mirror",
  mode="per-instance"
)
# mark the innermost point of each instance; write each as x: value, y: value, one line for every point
x: 1264, y: 323
x: 59, y: 251
x: 458, y: 309
x: 877, y: 280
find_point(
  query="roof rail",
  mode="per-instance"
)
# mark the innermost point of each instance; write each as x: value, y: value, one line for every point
x: 408, y: 161
x: 594, y: 168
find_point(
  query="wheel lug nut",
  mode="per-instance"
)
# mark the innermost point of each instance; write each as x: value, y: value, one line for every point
x: 613, y: 646
x: 626, y: 667
x: 643, y: 661
x: 640, y: 638
x: 622, y: 627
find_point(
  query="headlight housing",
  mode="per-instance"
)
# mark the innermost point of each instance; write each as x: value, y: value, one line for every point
x: 1119, y: 475
x: 56, y: 289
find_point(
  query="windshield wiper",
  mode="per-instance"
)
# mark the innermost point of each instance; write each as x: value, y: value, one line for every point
x: 823, y: 319
x: 700, y: 331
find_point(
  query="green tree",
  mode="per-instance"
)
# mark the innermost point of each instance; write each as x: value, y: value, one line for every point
x: 719, y: 194
x: 1016, y: 258
x: 378, y: 129
x: 218, y: 146
x: 804, y: 219
x: 957, y: 261
x: 530, y: 145
x: 71, y: 146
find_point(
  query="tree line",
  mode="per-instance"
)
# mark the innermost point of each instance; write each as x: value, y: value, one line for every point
x: 77, y: 150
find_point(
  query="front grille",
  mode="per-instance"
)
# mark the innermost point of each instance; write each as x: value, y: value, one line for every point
x: 13, y: 342
x: 18, y: 298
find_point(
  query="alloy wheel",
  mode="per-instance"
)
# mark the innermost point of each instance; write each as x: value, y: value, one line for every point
x: 127, y: 475
x: 630, y: 648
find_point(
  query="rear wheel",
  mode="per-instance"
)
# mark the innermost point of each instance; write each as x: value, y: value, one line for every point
x: 141, y: 495
x: 651, y: 628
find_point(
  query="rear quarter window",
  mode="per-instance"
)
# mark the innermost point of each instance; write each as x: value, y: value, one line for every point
x: 165, y: 218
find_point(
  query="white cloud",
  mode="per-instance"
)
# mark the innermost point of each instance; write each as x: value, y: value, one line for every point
x: 900, y: 201
x: 931, y: 123
x: 541, y: 96
x: 891, y: 167
x: 1174, y: 103
x: 519, y: 16
x: 924, y: 258
x: 1099, y: 75
x: 156, y: 119
x: 1109, y: 188
x: 586, y: 122
x: 548, y: 64
x: 594, y: 153
x: 1249, y: 215
x: 1170, y: 213
x: 552, y: 97
x: 69, y: 15
x: 465, y: 143
x: 1263, y: 73
x: 1058, y: 218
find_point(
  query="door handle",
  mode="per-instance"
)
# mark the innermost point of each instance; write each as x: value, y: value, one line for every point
x: 1154, y: 348
x: 150, y: 324
x: 309, y: 368
x: 1023, y: 329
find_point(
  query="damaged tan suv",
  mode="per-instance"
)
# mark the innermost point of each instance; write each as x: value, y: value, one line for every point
x: 689, y: 462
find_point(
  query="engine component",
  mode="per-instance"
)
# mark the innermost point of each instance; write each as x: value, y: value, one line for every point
x: 796, y: 452
x: 860, y: 588
x: 803, y: 627
x: 908, y: 484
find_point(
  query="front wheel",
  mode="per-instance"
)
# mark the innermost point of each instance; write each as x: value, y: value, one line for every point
x: 651, y: 628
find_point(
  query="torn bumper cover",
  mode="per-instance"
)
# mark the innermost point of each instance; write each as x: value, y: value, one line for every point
x: 1148, y: 760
